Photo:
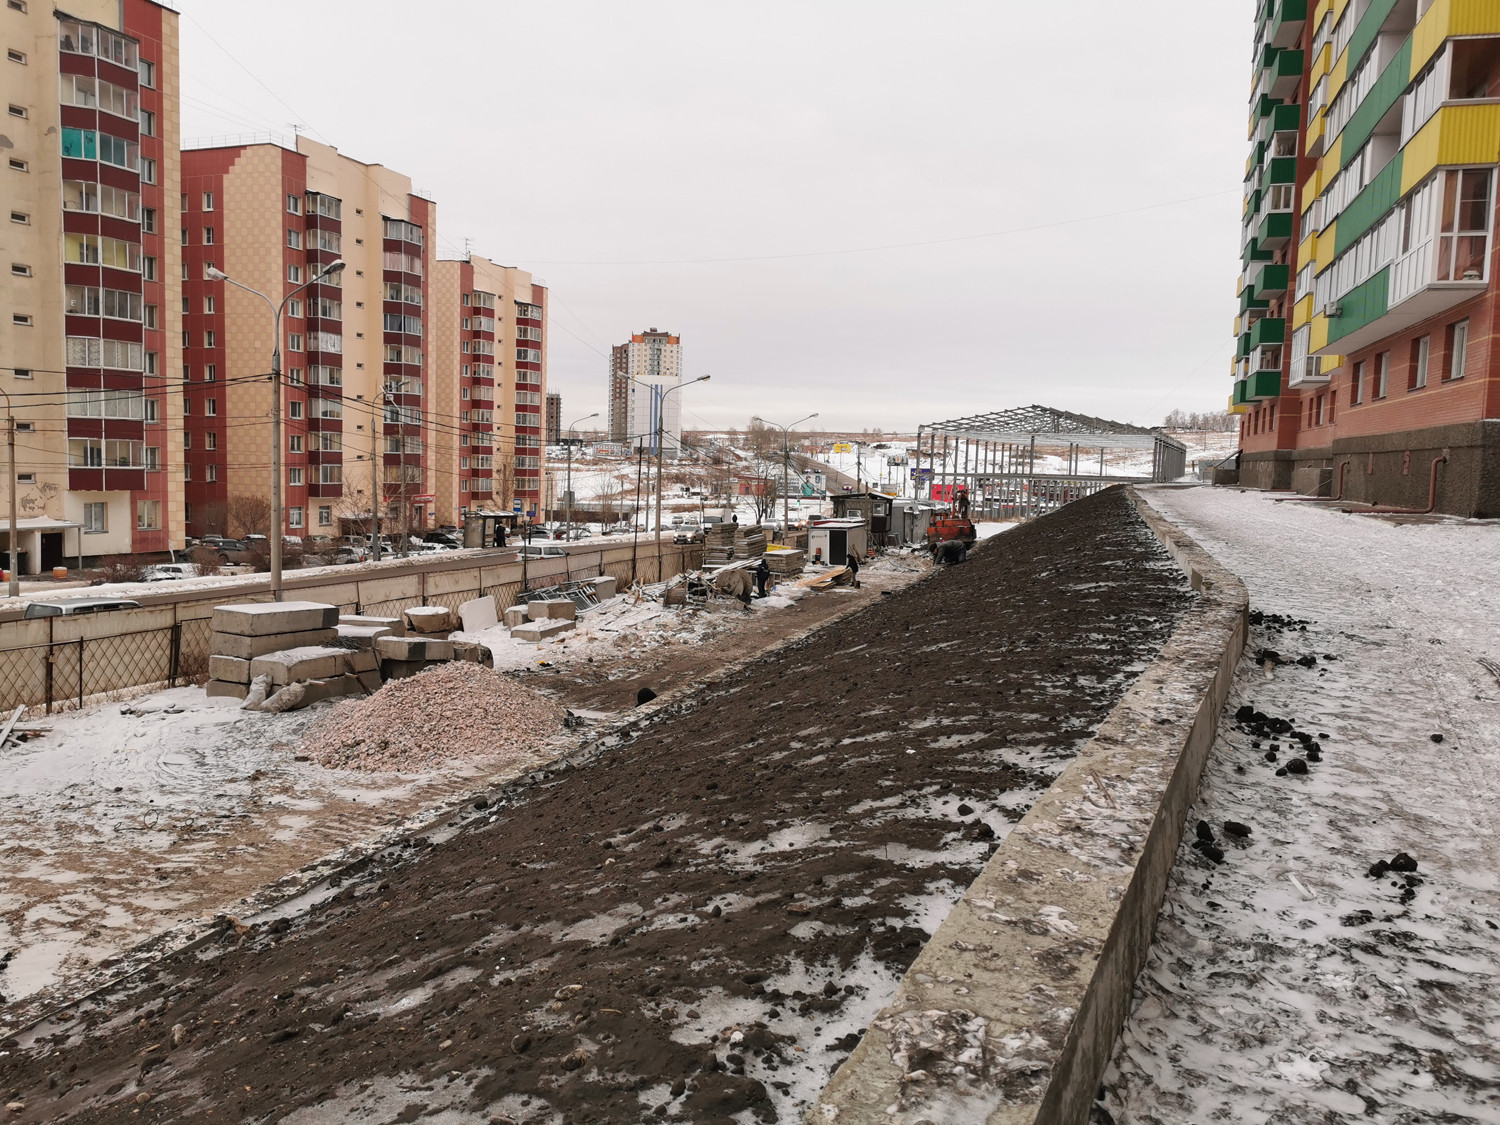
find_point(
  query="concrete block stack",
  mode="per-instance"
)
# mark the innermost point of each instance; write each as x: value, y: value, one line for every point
x: 749, y: 541
x: 290, y: 644
x: 786, y: 562
x: 406, y: 656
x: 718, y: 544
x: 542, y: 620
x: 605, y: 587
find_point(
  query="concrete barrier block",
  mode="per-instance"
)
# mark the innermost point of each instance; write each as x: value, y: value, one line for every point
x: 400, y: 669
x: 370, y: 681
x: 231, y: 669
x: 394, y: 624
x: 479, y: 614
x: 364, y: 636
x: 248, y: 648
x: 363, y: 660
x: 413, y: 648
x: 605, y: 588
x: 263, y: 619
x: 543, y: 630
x: 300, y: 664
x: 428, y: 619
x: 220, y: 689
x: 557, y: 609
x: 473, y: 653
x: 515, y: 615
x: 335, y: 687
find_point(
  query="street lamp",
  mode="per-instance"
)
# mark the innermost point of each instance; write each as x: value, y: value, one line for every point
x: 277, y: 515
x: 661, y: 414
x: 786, y: 458
x: 568, y: 534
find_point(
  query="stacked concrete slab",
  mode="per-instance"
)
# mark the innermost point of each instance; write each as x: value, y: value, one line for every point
x: 288, y: 643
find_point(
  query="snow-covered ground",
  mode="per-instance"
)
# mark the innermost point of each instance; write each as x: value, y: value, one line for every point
x: 1287, y: 984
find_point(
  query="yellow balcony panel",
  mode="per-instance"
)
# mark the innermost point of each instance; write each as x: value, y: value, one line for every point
x: 1319, y: 334
x: 1302, y: 312
x: 1447, y: 18
x: 1457, y: 134
x: 1307, y: 250
x: 1331, y: 157
x: 1338, y: 74
x: 1317, y: 133
x: 1322, y: 63
x: 1327, y: 240
x: 1312, y: 187
x: 1237, y: 407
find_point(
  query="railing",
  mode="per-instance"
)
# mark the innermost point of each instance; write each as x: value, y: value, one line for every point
x: 62, y: 662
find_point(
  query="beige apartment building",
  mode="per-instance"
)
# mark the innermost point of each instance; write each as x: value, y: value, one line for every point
x: 90, y: 292
x: 490, y: 387
x: 355, y: 344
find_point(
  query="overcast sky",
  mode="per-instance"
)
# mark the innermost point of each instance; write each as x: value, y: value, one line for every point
x: 569, y: 137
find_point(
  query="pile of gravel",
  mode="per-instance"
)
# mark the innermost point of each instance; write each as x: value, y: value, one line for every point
x: 449, y: 712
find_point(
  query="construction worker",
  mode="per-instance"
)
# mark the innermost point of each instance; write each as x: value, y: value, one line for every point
x: 852, y: 562
x: 762, y: 575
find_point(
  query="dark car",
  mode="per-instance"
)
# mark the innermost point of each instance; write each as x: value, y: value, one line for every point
x: 446, y: 538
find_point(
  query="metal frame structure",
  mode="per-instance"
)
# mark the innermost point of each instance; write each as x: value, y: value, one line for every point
x: 994, y: 456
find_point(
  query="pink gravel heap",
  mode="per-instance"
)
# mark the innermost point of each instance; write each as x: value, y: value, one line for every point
x: 451, y: 711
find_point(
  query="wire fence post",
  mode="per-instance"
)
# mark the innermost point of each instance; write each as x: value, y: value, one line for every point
x: 174, y: 654
x: 51, y: 663
x: 80, y: 673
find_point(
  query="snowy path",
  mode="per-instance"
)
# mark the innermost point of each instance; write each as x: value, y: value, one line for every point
x: 1288, y: 985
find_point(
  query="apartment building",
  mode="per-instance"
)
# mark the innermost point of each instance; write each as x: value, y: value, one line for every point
x: 90, y: 139
x: 1368, y: 305
x: 641, y: 372
x: 354, y: 343
x: 490, y: 385
x: 554, y: 417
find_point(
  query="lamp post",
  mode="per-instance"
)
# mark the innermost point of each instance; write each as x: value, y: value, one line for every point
x: 278, y: 517
x: 661, y: 415
x: 568, y: 534
x: 10, y: 449
x: 786, y: 459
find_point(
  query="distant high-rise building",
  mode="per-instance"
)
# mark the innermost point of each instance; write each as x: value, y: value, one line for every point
x: 554, y: 417
x: 640, y: 373
x: 89, y: 354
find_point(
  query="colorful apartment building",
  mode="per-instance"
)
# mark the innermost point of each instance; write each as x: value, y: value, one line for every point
x: 490, y: 384
x: 354, y: 343
x: 641, y: 373
x: 1366, y: 364
x: 91, y: 293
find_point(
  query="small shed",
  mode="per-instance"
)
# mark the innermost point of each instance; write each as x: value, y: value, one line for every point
x: 875, y: 507
x: 910, y: 520
x: 831, y: 540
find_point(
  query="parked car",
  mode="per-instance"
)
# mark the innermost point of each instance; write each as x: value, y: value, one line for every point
x: 344, y: 555
x: 74, y: 607
x: 238, y: 551
x: 546, y: 551
x: 170, y: 572
x: 445, y: 538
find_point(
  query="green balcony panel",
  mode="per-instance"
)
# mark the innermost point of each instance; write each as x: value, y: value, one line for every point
x: 1282, y: 170
x: 1252, y: 206
x: 1286, y: 119
x: 1286, y: 22
x: 1267, y: 330
x: 1253, y: 252
x: 1286, y: 74
x: 1270, y: 280
x: 1265, y: 106
x: 1370, y: 206
x: 1263, y: 385
x: 1275, y: 231
x: 1383, y: 97
x: 1242, y: 349
x: 1367, y: 30
x: 1366, y: 303
x: 1250, y: 299
x: 1241, y: 390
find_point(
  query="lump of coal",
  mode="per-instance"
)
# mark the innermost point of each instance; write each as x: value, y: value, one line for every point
x: 1296, y: 765
x: 1270, y: 755
x: 965, y: 810
x: 1403, y: 862
x: 1213, y: 852
x: 1436, y: 737
x: 1236, y: 829
x: 1378, y: 868
x: 1205, y: 833
x: 1244, y: 714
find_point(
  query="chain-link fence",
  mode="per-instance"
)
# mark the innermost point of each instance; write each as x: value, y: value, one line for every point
x: 40, y: 668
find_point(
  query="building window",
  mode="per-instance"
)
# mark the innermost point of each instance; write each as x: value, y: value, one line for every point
x: 213, y: 473
x: 187, y: 474
x: 210, y: 440
x: 294, y: 274
x: 294, y: 516
x: 19, y: 111
x: 1382, y: 374
x: 1357, y: 384
x: 187, y: 406
x: 25, y: 478
x: 296, y: 443
x: 153, y: 410
x: 20, y: 269
x: 295, y: 409
x: 152, y: 359
x: 1421, y: 356
x: 208, y: 236
x: 294, y: 307
x: 148, y: 515
x: 187, y: 440
x: 94, y: 518
x: 16, y: 56
x: 21, y: 318
x: 294, y: 342
x: 184, y: 235
x: 208, y: 201
x: 21, y: 372
x: 208, y: 305
x: 1458, y: 348
x: 151, y: 316
x: 294, y: 477
x: 211, y: 407
x: 184, y: 207
x: 148, y: 123
x: 325, y: 515
x: 153, y: 457
x: 211, y: 373
x: 148, y: 171
x: 20, y: 217
x: 294, y: 205
x: 19, y: 165
x: 294, y: 238
x: 148, y: 74
x: 210, y: 340
x: 148, y: 269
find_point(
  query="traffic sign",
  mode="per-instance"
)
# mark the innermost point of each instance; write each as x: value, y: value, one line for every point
x: 515, y: 506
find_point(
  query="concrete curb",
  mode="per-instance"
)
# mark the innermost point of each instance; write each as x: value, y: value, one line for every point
x: 1010, y: 1012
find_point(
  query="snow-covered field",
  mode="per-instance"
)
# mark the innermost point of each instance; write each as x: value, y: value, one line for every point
x: 1288, y: 984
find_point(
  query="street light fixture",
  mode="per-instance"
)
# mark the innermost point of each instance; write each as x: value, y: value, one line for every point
x: 568, y: 534
x: 278, y: 517
x: 786, y: 458
x: 661, y: 414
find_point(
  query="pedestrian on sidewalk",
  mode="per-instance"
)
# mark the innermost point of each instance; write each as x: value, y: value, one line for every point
x: 852, y: 562
x: 762, y: 573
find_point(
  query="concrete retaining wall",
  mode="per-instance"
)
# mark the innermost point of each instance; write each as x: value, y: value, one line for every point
x: 1010, y: 1012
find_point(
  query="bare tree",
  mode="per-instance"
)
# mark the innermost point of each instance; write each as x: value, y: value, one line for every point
x: 766, y: 496
x: 761, y: 438
x: 608, y: 498
x: 248, y: 515
x: 212, y: 518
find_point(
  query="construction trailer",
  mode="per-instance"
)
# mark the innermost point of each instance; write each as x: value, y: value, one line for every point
x: 1009, y: 460
x: 830, y: 541
x: 873, y: 507
x: 910, y: 520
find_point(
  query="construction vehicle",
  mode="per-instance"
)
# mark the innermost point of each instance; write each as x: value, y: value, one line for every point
x: 953, y: 525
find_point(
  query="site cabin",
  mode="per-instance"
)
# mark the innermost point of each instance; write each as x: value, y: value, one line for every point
x: 875, y: 507
x: 911, y: 519
x: 831, y: 540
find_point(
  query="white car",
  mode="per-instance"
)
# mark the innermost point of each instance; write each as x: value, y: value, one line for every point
x: 170, y: 572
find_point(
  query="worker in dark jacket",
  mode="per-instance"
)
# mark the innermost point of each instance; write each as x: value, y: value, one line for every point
x: 852, y: 562
x: 762, y: 575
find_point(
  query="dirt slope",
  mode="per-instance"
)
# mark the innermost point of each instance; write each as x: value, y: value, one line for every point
x: 697, y: 921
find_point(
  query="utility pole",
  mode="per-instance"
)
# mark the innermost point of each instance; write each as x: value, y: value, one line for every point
x: 661, y: 415
x: 568, y: 534
x: 375, y: 495
x: 10, y: 448
x: 786, y: 459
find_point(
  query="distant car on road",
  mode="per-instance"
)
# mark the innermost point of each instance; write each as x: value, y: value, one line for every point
x: 169, y: 572
x: 545, y: 551
x: 75, y: 607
